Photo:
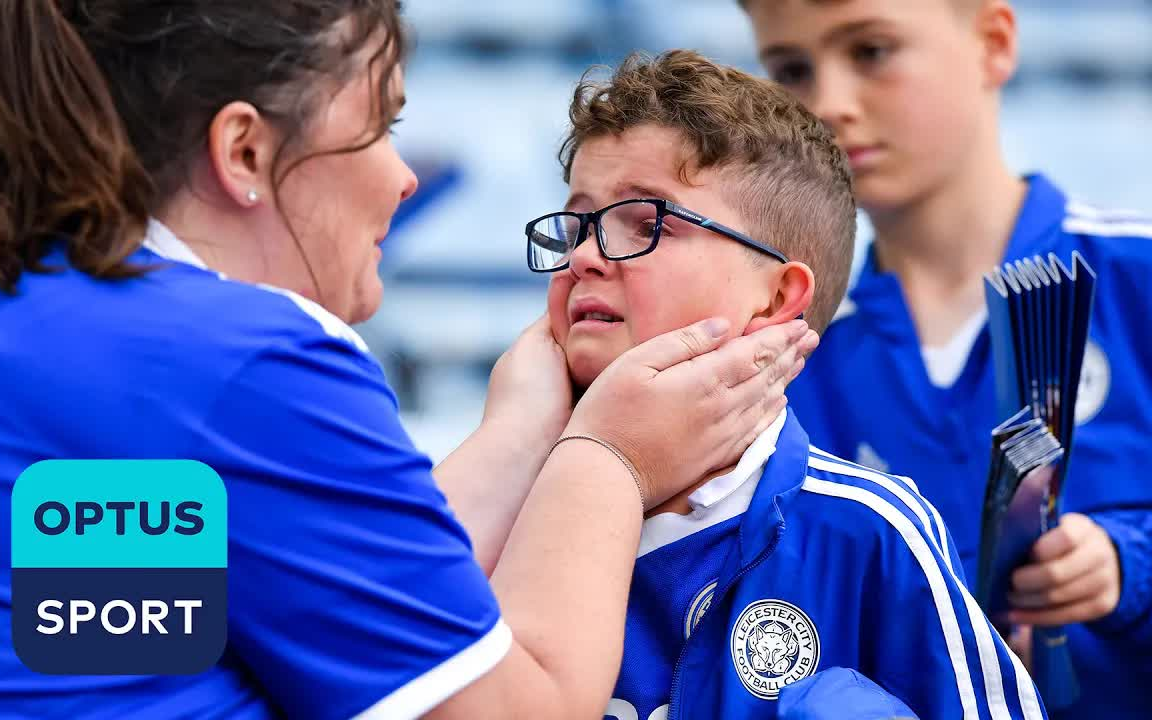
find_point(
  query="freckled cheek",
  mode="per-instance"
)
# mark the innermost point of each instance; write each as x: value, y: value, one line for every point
x: 680, y: 301
x: 653, y: 308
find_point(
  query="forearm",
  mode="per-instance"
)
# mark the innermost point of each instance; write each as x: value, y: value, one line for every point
x: 1131, y: 533
x: 486, y: 481
x: 564, y: 577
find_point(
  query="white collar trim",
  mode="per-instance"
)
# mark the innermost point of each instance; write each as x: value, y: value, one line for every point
x: 160, y: 239
x: 717, y: 500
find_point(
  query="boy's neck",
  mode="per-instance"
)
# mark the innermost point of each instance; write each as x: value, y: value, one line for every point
x: 678, y: 503
x: 941, y: 245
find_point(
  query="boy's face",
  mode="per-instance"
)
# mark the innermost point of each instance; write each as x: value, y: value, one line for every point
x: 692, y: 274
x: 908, y: 86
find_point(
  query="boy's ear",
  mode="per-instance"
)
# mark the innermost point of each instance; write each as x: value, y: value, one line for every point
x: 996, y: 27
x: 795, y: 285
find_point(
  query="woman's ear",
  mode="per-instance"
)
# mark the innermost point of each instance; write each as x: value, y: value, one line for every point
x: 241, y: 148
x: 795, y: 285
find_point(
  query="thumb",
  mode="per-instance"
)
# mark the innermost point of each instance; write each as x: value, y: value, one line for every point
x: 673, y: 348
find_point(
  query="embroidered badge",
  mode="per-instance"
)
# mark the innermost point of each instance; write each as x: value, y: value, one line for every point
x: 774, y: 643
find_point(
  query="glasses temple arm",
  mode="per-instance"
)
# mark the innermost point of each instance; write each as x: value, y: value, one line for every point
x: 548, y: 243
x: 685, y: 214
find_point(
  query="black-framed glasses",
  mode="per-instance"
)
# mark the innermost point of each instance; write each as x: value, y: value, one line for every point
x: 624, y: 230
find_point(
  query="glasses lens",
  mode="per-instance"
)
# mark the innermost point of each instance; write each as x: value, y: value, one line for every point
x: 629, y: 229
x: 550, y: 241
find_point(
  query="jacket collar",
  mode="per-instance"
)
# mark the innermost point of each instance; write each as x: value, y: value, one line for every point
x: 781, y: 480
x: 160, y: 239
x: 877, y: 293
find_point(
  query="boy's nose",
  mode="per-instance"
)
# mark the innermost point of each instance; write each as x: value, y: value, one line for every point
x: 586, y: 258
x: 834, y: 100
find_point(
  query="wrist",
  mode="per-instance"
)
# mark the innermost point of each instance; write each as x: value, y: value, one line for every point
x: 593, y: 452
x: 521, y: 442
x: 1134, y: 555
x: 620, y: 457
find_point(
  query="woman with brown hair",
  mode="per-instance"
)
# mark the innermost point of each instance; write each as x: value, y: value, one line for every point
x: 192, y: 193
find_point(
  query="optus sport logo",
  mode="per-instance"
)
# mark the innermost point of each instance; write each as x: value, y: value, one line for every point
x: 119, y: 567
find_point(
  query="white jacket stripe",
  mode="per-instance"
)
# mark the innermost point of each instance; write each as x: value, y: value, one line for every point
x: 819, y: 463
x: 949, y: 620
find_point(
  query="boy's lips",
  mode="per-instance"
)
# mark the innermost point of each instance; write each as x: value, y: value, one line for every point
x: 592, y: 313
x: 861, y: 157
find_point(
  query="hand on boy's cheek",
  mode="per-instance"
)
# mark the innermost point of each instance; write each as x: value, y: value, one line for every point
x: 757, y: 323
x: 530, y: 389
x: 807, y: 345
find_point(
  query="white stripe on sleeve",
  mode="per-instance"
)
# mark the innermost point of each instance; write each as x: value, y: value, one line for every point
x: 1103, y: 228
x: 445, y: 680
x: 949, y: 621
x: 893, y: 487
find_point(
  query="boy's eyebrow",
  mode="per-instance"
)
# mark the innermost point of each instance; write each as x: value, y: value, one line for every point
x: 632, y: 190
x: 626, y: 191
x: 574, y: 200
x: 774, y: 51
x: 832, y: 36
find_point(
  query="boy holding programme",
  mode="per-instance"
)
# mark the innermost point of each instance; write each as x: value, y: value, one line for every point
x: 911, y: 88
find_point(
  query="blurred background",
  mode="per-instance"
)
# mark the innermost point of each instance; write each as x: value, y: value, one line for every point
x: 488, y: 88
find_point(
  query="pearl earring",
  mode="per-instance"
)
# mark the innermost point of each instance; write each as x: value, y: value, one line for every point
x: 253, y: 196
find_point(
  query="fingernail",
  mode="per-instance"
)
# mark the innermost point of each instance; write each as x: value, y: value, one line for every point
x: 716, y: 327
x: 799, y: 329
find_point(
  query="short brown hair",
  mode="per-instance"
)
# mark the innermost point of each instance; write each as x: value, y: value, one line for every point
x: 790, y: 181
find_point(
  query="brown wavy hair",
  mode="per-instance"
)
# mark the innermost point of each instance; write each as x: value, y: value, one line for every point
x: 104, y: 104
x: 789, y: 180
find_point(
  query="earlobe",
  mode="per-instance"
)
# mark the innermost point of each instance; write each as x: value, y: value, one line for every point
x: 239, y: 151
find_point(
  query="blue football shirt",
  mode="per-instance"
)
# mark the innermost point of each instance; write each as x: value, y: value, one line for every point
x: 352, y: 588
x: 865, y: 394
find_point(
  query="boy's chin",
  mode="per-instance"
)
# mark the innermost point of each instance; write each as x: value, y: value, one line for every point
x: 584, y: 370
x: 880, y: 192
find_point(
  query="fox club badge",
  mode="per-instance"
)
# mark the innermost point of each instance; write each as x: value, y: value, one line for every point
x: 774, y: 643
x: 699, y: 606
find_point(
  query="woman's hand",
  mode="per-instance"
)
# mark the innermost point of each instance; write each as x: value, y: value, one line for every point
x: 682, y: 405
x: 677, y: 407
x: 529, y: 391
x: 487, y: 478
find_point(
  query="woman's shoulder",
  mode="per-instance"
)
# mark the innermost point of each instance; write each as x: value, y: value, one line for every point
x: 175, y: 319
x: 214, y: 301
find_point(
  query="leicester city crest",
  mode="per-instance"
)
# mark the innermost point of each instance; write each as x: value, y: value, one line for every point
x: 774, y: 644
